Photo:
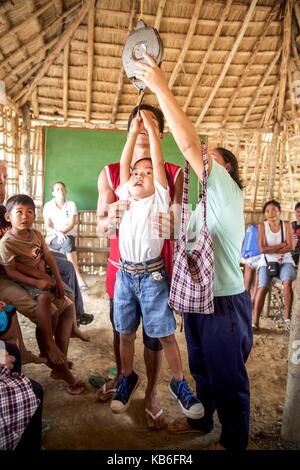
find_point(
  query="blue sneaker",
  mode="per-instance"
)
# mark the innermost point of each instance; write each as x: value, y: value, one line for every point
x: 125, y: 389
x: 190, y: 405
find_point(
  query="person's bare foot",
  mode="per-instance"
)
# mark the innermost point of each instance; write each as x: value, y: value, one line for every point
x: 76, y: 333
x: 27, y: 357
x: 54, y: 354
x: 216, y: 446
x: 62, y: 372
x: 154, y: 413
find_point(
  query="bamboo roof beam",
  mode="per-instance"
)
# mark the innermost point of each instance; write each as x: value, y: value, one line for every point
x: 15, y: 29
x: 207, y: 54
x: 23, y: 49
x: 297, y: 13
x: 64, y: 38
x: 294, y: 46
x: 228, y: 61
x: 66, y: 80
x: 269, y: 111
x: 12, y: 105
x: 260, y: 87
x: 90, y: 65
x: 272, y: 162
x: 121, y: 74
x: 159, y: 13
x: 286, y: 46
x: 4, y: 20
x: 24, y: 78
x: 35, y: 104
x: 58, y: 6
x: 187, y: 41
x: 273, y: 14
x: 293, y: 105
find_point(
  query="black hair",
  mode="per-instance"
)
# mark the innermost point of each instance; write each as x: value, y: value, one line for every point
x: 140, y: 159
x: 19, y: 199
x: 297, y: 206
x: 156, y: 111
x: 58, y: 182
x: 229, y: 157
x: 272, y: 202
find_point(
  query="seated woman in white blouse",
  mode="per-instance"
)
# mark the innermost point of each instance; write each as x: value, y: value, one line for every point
x: 60, y: 217
x: 275, y: 244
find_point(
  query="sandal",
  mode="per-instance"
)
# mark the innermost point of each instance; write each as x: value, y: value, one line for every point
x: 96, y: 380
x: 104, y: 394
x: 181, y: 426
x: 152, y: 420
x: 84, y: 287
x: 76, y: 388
x: 85, y: 319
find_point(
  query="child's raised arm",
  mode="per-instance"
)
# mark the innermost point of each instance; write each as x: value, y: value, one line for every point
x: 128, y: 150
x: 151, y: 125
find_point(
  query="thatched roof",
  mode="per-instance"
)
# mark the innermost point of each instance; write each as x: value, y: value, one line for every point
x: 231, y: 63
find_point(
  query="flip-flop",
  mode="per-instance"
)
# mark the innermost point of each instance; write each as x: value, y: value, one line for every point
x: 96, y: 380
x: 106, y: 394
x: 84, y: 287
x: 151, y: 418
x: 181, y: 426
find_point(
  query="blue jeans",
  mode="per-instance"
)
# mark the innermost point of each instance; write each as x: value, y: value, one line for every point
x: 218, y: 347
x: 152, y: 296
x: 287, y: 273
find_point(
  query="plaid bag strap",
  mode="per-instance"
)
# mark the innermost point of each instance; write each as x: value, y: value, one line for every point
x: 185, y: 193
x: 204, y: 181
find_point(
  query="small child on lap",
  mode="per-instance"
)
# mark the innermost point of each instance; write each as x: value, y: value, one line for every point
x: 25, y: 256
x: 141, y: 278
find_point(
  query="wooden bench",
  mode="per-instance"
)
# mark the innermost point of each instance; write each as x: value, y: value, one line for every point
x: 92, y: 250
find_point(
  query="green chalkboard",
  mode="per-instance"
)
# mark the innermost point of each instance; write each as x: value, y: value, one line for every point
x: 76, y: 156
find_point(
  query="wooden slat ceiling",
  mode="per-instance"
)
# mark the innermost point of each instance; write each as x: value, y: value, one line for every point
x: 230, y: 63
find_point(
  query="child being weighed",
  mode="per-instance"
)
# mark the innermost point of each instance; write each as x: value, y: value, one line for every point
x: 141, y: 278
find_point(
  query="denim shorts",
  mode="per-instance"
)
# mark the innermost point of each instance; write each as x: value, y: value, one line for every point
x: 151, y: 292
x: 151, y: 343
x: 287, y: 273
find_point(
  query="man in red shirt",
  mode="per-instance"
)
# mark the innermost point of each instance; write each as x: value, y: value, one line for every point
x: 109, y: 213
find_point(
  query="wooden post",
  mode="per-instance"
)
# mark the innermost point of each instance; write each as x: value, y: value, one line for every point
x: 290, y: 429
x: 27, y: 184
x: 273, y: 160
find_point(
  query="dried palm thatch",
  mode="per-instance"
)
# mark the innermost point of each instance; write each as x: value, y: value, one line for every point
x: 224, y: 59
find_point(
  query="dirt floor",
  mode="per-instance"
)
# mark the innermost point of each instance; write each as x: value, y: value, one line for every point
x: 81, y: 422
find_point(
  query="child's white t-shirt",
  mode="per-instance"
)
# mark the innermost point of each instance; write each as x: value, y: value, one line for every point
x: 138, y: 240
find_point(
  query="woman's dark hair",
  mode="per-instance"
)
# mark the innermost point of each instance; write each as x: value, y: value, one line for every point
x: 228, y: 157
x: 272, y: 202
x: 19, y: 199
x: 156, y: 111
x: 297, y: 206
